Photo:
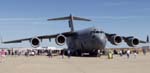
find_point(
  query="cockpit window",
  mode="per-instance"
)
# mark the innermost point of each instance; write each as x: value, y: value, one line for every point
x: 97, y: 31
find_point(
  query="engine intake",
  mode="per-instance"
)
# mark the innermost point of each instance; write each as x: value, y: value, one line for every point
x: 115, y: 40
x: 132, y: 41
x: 35, y: 42
x: 60, y: 40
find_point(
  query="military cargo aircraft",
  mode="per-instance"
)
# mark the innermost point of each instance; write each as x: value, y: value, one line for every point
x: 82, y: 41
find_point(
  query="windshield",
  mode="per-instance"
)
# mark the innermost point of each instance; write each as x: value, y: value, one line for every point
x: 97, y: 31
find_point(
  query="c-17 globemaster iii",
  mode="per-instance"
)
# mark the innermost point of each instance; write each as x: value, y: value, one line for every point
x: 88, y: 40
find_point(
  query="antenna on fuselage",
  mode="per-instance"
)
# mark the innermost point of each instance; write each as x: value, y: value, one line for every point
x: 70, y: 20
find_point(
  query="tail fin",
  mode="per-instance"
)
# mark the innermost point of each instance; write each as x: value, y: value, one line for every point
x: 70, y: 18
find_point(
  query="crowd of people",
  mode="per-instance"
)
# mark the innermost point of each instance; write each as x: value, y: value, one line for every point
x: 32, y: 52
x: 28, y: 52
x: 128, y: 52
x: 50, y: 53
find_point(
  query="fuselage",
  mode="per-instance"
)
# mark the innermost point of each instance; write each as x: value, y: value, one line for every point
x: 87, y: 40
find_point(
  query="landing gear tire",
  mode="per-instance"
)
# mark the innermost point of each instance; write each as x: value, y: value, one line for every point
x: 93, y: 54
x: 76, y: 53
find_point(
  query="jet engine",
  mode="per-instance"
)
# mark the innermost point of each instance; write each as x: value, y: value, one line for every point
x: 115, y: 40
x: 35, y: 42
x: 60, y: 40
x: 132, y: 41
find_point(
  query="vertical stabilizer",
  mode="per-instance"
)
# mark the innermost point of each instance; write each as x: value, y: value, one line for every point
x: 70, y: 20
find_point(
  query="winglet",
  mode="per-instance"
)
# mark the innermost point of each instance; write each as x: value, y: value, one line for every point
x: 70, y: 18
x: 147, y: 40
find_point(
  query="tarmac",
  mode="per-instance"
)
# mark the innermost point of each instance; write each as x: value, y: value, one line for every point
x: 43, y: 64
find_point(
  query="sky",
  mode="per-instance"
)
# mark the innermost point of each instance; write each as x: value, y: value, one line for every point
x: 28, y: 18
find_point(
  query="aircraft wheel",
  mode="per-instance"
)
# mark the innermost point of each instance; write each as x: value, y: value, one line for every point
x: 78, y: 53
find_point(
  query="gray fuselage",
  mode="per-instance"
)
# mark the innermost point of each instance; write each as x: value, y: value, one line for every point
x: 87, y: 40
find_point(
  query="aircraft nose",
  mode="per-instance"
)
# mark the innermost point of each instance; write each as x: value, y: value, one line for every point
x: 101, y: 40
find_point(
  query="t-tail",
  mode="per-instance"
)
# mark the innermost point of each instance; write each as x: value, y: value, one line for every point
x: 70, y: 20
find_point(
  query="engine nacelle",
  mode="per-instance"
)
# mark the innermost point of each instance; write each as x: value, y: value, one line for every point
x: 115, y: 40
x: 132, y: 41
x: 60, y: 40
x: 35, y: 42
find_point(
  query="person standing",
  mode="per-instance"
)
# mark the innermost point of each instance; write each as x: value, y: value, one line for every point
x: 98, y: 53
x: 128, y: 53
x: 2, y: 55
x: 120, y: 53
x: 62, y: 53
x: 110, y: 54
x: 135, y: 54
x: 144, y: 51
x: 50, y: 53
x: 69, y: 53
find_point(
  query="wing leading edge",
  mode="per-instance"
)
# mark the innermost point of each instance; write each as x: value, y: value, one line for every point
x: 131, y: 41
x: 66, y: 34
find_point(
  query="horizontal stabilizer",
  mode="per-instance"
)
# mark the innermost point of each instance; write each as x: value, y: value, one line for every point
x: 69, y: 18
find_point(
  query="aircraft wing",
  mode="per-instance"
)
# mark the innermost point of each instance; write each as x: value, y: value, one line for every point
x: 67, y: 34
x: 130, y: 40
x: 141, y: 41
